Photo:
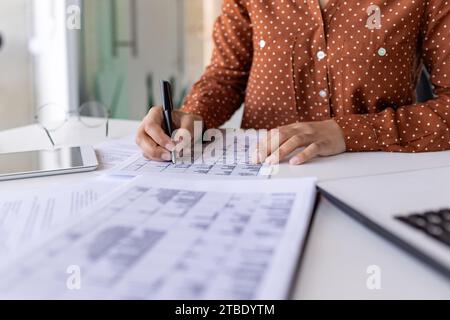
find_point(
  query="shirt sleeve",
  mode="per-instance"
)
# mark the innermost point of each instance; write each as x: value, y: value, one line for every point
x: 221, y: 89
x: 414, y: 128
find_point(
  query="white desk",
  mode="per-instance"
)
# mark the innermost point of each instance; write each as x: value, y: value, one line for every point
x: 339, y: 249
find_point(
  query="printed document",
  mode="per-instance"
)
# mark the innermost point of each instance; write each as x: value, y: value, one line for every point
x: 28, y: 217
x: 114, y: 152
x: 163, y: 238
x: 227, y: 157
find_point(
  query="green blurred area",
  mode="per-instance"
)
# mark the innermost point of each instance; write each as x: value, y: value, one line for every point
x: 104, y: 76
x: 169, y: 38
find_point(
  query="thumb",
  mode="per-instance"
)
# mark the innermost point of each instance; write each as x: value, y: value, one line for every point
x: 190, y: 129
x: 189, y: 132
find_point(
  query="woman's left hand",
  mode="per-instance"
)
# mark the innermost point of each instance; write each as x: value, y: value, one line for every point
x: 323, y: 138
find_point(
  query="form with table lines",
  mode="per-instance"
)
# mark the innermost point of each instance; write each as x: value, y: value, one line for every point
x: 27, y: 217
x: 232, y: 159
x: 158, y: 238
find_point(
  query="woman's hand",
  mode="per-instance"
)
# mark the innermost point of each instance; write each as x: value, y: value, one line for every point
x: 151, y: 136
x: 324, y: 138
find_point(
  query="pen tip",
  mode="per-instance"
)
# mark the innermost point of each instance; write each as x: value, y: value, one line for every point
x: 174, y: 158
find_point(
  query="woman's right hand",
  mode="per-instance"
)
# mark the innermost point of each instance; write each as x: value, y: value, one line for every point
x: 151, y: 136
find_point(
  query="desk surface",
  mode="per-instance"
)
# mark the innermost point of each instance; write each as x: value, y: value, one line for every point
x: 339, y: 249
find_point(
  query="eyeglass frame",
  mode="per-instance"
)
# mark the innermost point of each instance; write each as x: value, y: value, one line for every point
x: 67, y: 115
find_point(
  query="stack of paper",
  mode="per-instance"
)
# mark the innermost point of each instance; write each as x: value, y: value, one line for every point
x: 136, y: 232
x: 31, y: 216
x: 27, y: 218
x: 160, y: 238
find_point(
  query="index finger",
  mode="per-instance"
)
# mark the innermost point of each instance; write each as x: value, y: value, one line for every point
x: 310, y: 152
x: 156, y: 132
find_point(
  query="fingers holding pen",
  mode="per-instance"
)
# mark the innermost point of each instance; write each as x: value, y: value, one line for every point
x: 158, y: 135
x: 150, y: 149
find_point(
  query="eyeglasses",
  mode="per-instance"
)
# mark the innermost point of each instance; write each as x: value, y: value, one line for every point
x: 52, y: 117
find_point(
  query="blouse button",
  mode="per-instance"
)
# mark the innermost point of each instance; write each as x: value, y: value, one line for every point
x: 323, y: 94
x: 321, y: 55
x: 382, y: 52
x: 262, y: 44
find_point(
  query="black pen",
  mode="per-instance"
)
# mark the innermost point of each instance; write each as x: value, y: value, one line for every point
x: 166, y: 92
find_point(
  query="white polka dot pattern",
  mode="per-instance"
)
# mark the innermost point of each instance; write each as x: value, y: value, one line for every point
x: 290, y: 61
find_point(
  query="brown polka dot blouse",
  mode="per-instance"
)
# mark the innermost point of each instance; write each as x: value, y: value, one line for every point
x: 356, y: 61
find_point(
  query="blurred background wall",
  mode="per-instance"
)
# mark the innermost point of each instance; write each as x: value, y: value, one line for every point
x: 129, y: 45
x: 15, y: 64
x: 117, y: 57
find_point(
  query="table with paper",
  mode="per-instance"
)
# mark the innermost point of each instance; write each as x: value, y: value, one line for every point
x: 161, y: 238
x: 226, y: 158
x: 157, y: 236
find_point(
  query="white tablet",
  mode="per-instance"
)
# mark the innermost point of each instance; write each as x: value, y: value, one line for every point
x: 40, y: 163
